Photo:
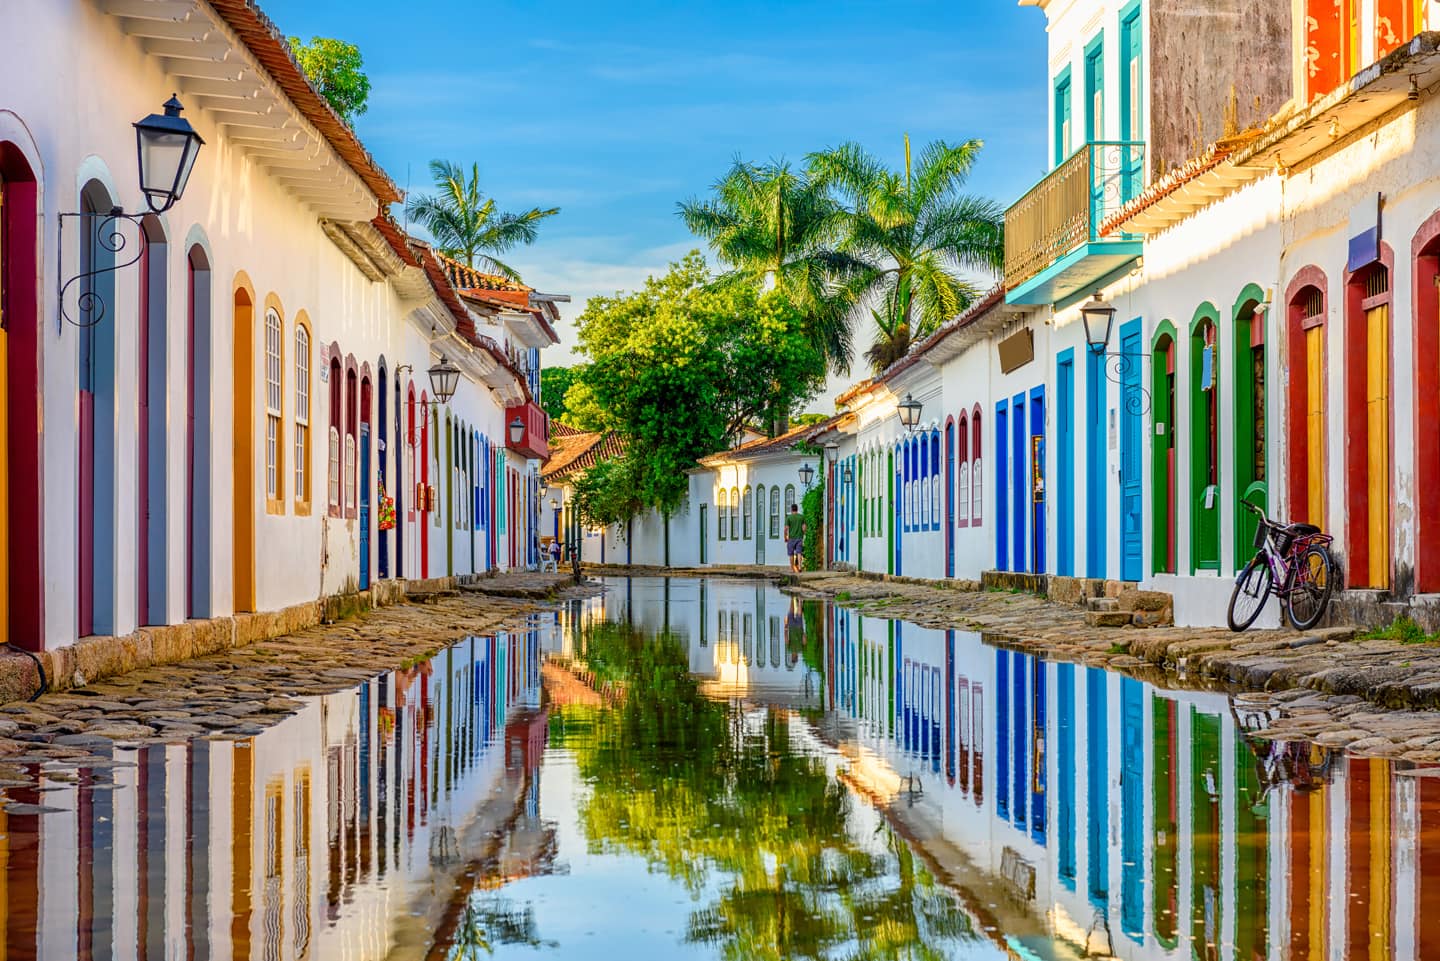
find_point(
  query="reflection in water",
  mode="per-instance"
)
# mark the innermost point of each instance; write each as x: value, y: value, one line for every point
x: 311, y: 839
x: 715, y: 770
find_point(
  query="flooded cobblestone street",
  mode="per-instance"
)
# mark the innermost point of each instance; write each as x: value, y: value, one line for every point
x: 714, y: 769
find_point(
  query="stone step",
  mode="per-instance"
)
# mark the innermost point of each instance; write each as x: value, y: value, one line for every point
x: 1102, y: 604
x: 1107, y: 618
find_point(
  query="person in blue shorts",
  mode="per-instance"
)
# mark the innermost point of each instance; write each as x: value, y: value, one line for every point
x: 795, y: 538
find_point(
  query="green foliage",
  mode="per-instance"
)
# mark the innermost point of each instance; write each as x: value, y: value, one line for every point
x: 463, y: 221
x: 682, y: 365
x: 807, y: 420
x: 776, y: 228
x: 913, y: 233
x: 555, y: 382
x: 606, y: 494
x: 813, y: 507
x: 756, y: 829
x: 583, y: 410
x: 334, y: 68
x: 1402, y: 629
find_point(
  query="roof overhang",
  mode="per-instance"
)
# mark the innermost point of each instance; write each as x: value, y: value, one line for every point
x: 1078, y: 270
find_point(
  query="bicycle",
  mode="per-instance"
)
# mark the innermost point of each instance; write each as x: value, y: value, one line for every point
x: 1295, y: 556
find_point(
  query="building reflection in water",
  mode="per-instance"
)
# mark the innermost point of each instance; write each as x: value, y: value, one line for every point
x: 316, y: 838
x: 1134, y: 821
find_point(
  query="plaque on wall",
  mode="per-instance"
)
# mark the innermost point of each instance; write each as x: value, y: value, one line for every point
x: 1017, y: 350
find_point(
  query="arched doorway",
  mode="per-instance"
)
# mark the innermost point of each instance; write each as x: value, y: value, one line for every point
x: 1204, y: 441
x: 1368, y: 389
x: 243, y: 482
x: 21, y: 494
x: 1250, y: 426
x: 1426, y: 251
x: 98, y: 507
x: 197, y: 435
x: 151, y: 446
x: 383, y: 470
x: 1162, y: 451
x: 365, y: 513
x: 1305, y: 424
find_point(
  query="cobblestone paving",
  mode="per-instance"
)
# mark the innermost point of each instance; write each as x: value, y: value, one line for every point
x: 247, y: 689
x: 1370, y: 697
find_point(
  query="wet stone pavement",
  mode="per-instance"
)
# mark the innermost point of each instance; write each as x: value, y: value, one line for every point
x: 246, y: 690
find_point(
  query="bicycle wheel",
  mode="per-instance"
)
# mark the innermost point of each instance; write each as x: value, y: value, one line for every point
x: 1252, y: 589
x: 1307, y: 595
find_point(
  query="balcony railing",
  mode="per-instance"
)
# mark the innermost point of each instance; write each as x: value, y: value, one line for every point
x: 534, y: 440
x: 1066, y: 209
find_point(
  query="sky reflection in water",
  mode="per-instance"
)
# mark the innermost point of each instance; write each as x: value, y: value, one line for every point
x: 713, y: 771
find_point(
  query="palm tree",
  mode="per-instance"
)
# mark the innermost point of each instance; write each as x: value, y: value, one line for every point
x: 464, y: 223
x: 772, y: 226
x: 892, y: 341
x: 914, y: 233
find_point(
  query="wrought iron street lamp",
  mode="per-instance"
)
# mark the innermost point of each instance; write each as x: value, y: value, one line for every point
x: 909, y: 410
x: 807, y: 475
x: 1099, y: 319
x: 444, y: 378
x: 166, y: 147
x: 165, y: 150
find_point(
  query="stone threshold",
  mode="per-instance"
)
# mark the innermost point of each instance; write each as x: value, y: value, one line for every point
x: 93, y: 658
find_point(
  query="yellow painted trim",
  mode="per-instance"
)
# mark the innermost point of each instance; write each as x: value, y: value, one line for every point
x: 243, y: 448
x: 1315, y: 425
x: 304, y: 491
x: 1377, y: 416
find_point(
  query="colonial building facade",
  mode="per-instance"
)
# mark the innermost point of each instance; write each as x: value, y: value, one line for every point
x: 225, y: 408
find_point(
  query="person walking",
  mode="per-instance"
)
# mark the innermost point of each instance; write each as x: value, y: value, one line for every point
x: 795, y: 538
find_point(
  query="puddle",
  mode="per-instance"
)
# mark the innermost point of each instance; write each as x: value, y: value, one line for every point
x: 707, y: 769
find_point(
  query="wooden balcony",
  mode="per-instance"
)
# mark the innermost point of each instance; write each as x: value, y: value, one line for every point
x: 1053, y: 247
x: 534, y: 443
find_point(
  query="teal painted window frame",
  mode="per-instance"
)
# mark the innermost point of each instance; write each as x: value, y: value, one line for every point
x: 1094, y: 83
x: 1063, y: 94
x: 1131, y: 28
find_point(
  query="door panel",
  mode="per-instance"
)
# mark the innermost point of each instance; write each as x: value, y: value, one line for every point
x: 1315, y: 425
x: 1131, y: 498
x: 1377, y: 416
x: 1065, y: 469
x: 364, y: 506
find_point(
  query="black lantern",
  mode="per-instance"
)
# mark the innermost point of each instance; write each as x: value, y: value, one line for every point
x: 909, y: 412
x: 1099, y: 318
x: 849, y: 474
x: 554, y: 504
x: 807, y: 474
x: 517, y: 430
x: 167, y: 147
x: 444, y: 378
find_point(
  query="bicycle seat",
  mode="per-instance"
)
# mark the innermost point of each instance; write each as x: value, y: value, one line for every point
x: 1302, y: 530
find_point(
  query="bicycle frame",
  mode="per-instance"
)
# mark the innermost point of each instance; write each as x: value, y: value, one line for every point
x: 1282, y: 560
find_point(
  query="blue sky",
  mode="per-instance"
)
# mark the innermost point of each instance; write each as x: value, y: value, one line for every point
x: 614, y: 112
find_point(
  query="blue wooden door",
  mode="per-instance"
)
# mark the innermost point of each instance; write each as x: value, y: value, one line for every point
x: 1095, y: 532
x: 364, y: 506
x: 1065, y: 464
x: 1039, y: 717
x: 1019, y: 484
x: 1097, y: 787
x: 900, y: 505
x: 1002, y: 500
x: 1037, y: 481
x: 1065, y: 769
x: 1131, y: 498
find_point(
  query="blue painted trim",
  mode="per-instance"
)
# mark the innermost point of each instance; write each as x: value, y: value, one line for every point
x: 1094, y: 83
x: 1132, y: 810
x: 1039, y: 290
x: 1002, y: 497
x: 1061, y: 87
x: 1037, y: 509
x: 1097, y: 777
x: 1132, y: 474
x: 1020, y: 732
x: 1038, y: 732
x: 1019, y: 483
x: 1095, y: 466
x: 1002, y: 733
x: 1132, y: 46
x: 1066, y: 769
x: 1065, y: 463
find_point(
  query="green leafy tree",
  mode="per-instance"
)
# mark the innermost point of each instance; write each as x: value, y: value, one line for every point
x: 914, y: 232
x: 554, y: 383
x: 605, y: 494
x: 464, y: 222
x: 681, y: 366
x: 583, y: 410
x: 775, y: 227
x: 335, y: 69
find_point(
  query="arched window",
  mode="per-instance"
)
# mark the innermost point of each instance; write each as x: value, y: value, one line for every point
x: 760, y: 511
x: 774, y: 512
x: 734, y: 513
x: 746, y: 508
x: 274, y: 401
x: 962, y: 471
x: 352, y: 414
x: 337, y: 425
x: 302, y: 418
x: 935, y: 474
x: 435, y: 520
x: 789, y: 498
x: 977, y: 498
x: 408, y: 480
x: 722, y: 505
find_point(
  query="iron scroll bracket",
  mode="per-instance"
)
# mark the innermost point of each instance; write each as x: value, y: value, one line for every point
x: 90, y: 305
x: 1119, y: 365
